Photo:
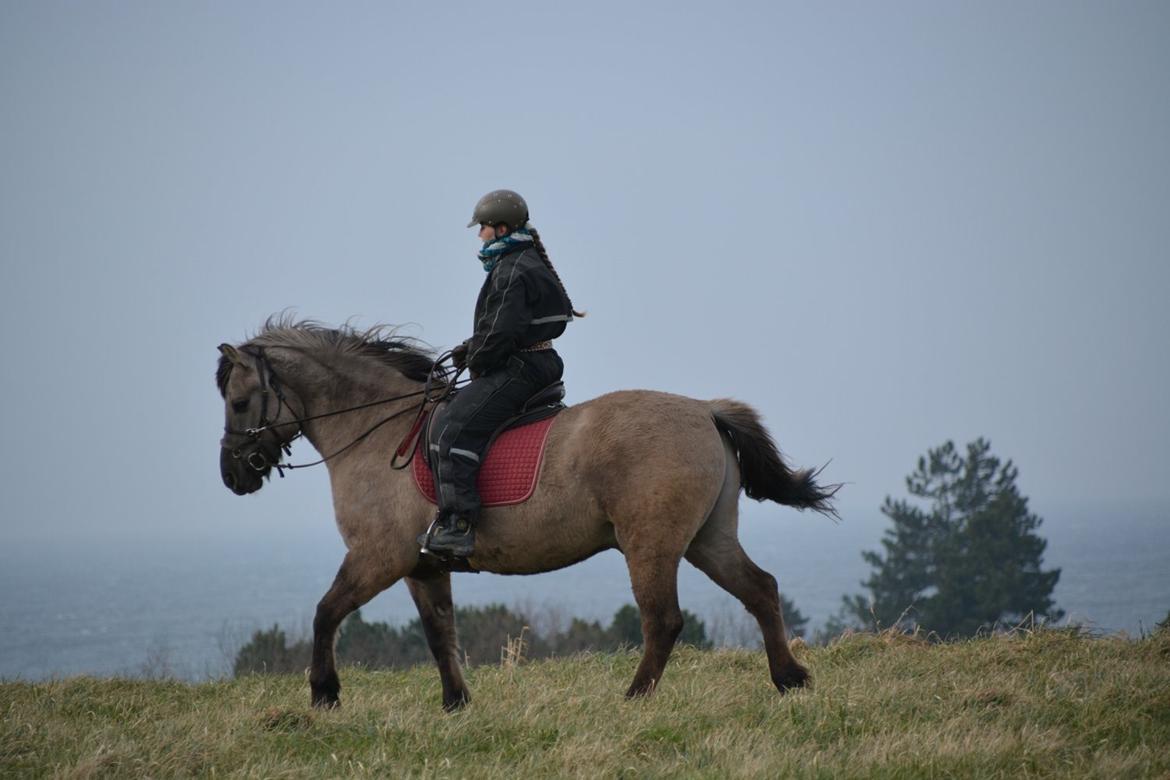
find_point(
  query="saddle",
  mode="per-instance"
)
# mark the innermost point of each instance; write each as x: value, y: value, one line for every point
x: 514, y: 451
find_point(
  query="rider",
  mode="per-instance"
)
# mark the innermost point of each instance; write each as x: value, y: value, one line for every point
x: 522, y: 307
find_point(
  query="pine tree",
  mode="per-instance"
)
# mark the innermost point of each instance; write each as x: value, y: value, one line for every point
x: 795, y: 623
x: 969, y: 560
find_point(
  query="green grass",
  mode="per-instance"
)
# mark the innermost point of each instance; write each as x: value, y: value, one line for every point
x: 1050, y: 703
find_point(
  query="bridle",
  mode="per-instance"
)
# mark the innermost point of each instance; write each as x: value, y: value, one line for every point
x: 258, y: 460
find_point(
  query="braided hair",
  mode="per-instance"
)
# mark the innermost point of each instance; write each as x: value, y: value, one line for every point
x: 539, y: 245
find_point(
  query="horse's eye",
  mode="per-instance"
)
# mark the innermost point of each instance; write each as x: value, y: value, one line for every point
x: 239, y: 407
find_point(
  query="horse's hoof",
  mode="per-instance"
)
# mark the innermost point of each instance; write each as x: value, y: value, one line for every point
x: 456, y: 702
x: 326, y: 704
x: 326, y: 694
x: 795, y: 676
x: 639, y: 690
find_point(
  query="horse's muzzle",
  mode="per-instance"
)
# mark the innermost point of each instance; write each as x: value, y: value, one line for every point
x: 243, y: 473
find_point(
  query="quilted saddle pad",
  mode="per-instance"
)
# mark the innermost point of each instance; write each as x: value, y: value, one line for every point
x: 508, y: 474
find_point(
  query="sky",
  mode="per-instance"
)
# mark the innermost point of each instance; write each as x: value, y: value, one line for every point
x: 884, y: 226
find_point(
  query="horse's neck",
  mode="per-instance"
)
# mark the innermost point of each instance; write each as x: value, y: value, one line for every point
x: 338, y: 382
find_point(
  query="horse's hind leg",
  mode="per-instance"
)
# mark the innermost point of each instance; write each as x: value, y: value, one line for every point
x: 432, y: 596
x: 655, y: 582
x: 658, y: 524
x: 717, y: 553
x: 731, y: 568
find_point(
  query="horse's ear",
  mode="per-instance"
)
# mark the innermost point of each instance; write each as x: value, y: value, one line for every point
x: 232, y: 354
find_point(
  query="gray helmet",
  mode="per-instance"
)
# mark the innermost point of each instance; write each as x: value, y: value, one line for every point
x: 500, y: 206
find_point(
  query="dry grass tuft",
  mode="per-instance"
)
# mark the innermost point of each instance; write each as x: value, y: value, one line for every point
x: 280, y: 719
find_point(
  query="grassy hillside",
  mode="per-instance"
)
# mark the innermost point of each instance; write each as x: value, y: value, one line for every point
x: 1048, y: 703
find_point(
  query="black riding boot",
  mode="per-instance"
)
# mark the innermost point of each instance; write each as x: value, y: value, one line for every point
x: 451, y: 535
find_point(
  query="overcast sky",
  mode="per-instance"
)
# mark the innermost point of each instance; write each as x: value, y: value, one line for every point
x: 884, y: 225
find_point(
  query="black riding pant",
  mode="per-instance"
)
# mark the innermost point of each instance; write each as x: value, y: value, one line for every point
x: 475, y: 413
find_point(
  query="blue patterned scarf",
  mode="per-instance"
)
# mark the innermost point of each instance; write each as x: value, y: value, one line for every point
x: 498, y: 247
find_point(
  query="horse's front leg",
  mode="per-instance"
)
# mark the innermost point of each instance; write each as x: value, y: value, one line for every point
x: 358, y: 580
x: 432, y: 596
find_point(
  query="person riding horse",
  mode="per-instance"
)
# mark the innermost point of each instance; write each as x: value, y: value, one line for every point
x: 521, y: 308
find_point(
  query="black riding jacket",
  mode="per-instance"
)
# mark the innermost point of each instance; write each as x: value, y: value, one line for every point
x: 521, y: 302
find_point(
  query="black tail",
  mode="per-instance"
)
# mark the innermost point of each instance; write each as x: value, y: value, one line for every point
x: 762, y: 470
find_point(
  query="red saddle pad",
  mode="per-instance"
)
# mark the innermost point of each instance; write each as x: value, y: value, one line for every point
x: 508, y: 474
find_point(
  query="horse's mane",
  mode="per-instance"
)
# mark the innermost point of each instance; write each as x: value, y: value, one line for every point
x: 408, y: 356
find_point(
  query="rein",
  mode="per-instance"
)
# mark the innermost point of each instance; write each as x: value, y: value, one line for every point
x: 258, y: 460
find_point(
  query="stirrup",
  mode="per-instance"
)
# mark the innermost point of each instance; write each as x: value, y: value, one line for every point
x: 424, y: 539
x: 456, y: 532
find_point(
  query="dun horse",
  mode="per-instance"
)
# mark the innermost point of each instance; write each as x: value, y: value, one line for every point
x: 654, y: 475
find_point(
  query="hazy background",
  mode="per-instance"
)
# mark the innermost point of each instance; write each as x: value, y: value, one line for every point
x: 882, y: 226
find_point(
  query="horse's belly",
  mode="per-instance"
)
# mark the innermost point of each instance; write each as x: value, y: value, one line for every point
x: 504, y: 548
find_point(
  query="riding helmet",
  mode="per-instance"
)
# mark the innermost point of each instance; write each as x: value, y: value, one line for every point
x: 500, y: 206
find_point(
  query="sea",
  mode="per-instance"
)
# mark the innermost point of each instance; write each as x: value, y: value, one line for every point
x: 142, y: 605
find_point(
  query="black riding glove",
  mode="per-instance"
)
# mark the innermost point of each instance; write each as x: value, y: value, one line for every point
x: 459, y: 356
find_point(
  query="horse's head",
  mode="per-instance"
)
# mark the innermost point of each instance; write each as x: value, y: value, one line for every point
x: 258, y: 422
